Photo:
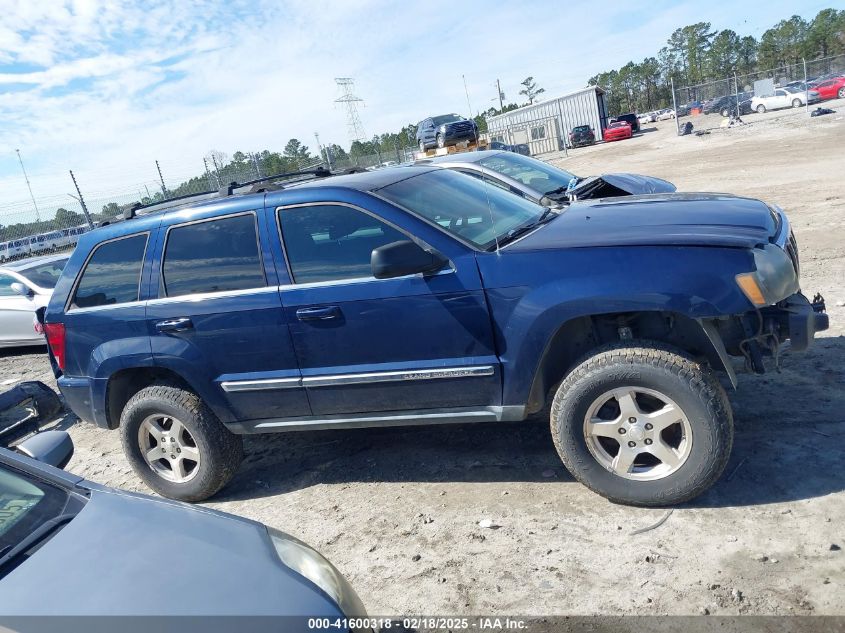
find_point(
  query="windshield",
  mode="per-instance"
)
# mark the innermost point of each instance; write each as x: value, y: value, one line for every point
x: 45, y: 275
x: 446, y: 118
x: 581, y: 128
x: 529, y: 171
x: 464, y: 206
x: 25, y: 504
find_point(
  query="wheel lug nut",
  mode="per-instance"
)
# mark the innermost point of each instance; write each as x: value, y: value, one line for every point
x: 648, y: 441
x: 622, y: 431
x: 632, y: 420
x: 178, y: 450
x: 632, y: 444
x: 648, y: 426
x: 173, y: 457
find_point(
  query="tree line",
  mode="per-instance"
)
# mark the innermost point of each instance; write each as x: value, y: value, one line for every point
x: 696, y: 54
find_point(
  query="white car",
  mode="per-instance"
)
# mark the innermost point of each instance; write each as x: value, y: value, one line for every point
x: 647, y: 117
x: 783, y: 98
x: 26, y: 286
x: 666, y: 114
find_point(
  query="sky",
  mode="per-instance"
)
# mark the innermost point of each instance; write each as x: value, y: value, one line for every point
x: 107, y: 88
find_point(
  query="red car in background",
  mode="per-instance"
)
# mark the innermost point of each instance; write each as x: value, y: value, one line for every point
x: 831, y: 88
x: 617, y: 131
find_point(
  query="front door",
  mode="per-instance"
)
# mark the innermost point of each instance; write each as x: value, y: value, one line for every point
x: 217, y: 320
x: 374, y: 345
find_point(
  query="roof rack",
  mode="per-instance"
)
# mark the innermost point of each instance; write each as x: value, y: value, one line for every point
x: 226, y: 191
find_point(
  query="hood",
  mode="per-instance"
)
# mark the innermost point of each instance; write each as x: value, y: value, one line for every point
x: 127, y: 554
x: 698, y: 219
x: 611, y: 185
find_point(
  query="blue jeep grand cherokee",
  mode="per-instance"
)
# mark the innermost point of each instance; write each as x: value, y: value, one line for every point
x: 419, y: 295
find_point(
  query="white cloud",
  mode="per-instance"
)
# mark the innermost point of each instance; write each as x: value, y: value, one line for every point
x: 106, y: 88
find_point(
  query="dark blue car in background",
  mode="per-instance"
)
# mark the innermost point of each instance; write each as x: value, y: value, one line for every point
x: 445, y: 130
x: 419, y: 295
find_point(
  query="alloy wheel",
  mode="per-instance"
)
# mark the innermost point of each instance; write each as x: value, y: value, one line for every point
x: 168, y: 448
x: 637, y: 433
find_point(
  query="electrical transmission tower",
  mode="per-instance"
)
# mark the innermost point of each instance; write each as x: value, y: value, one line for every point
x: 353, y: 119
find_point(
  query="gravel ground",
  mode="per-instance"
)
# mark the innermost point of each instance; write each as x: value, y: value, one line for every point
x: 397, y: 510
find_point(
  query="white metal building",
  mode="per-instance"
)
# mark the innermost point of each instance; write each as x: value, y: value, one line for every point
x: 546, y: 126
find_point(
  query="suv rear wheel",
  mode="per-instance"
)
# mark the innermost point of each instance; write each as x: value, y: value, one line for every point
x: 643, y: 424
x: 176, y: 445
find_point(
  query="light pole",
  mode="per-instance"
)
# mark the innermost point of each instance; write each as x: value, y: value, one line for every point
x: 25, y: 177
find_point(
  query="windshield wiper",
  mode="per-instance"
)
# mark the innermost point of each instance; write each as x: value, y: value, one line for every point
x: 39, y: 533
x: 517, y: 232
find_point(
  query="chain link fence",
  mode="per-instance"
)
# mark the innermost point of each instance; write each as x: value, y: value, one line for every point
x: 774, y: 93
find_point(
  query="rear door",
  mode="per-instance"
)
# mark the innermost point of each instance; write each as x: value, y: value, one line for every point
x: 372, y: 345
x: 215, y: 316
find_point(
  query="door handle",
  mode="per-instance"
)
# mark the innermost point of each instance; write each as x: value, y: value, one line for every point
x: 318, y: 314
x: 175, y: 325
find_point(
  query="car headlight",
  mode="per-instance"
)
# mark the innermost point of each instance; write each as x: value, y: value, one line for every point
x: 308, y: 562
x: 774, y: 280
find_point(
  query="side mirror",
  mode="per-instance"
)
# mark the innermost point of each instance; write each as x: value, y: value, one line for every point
x: 404, y: 258
x: 51, y: 447
x: 22, y: 289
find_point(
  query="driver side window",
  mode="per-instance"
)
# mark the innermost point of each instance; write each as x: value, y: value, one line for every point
x: 329, y: 242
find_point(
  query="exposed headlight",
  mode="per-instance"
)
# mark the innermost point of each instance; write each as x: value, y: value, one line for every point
x: 309, y: 563
x: 774, y: 280
x: 442, y: 128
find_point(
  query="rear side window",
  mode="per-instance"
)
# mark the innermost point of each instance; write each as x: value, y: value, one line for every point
x: 213, y: 256
x: 113, y: 273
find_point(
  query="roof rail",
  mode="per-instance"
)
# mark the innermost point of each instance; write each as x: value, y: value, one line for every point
x: 226, y: 190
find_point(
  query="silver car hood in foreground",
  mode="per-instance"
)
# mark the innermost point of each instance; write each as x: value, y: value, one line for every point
x: 127, y: 554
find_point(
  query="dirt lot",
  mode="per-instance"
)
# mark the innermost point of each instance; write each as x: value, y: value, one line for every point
x: 397, y: 510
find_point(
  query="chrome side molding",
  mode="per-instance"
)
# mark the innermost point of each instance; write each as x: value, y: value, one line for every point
x: 230, y: 386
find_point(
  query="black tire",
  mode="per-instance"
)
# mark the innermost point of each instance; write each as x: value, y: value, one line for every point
x: 441, y: 141
x: 650, y: 365
x: 841, y: 93
x: 422, y: 146
x: 725, y: 112
x: 221, y: 451
x: 796, y: 103
x: 761, y: 109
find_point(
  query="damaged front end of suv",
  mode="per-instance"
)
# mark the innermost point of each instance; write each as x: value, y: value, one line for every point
x: 781, y: 312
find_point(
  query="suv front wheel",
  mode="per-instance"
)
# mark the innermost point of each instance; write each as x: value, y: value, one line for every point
x: 643, y: 424
x: 176, y: 445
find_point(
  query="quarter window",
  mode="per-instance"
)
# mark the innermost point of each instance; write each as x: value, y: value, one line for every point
x: 213, y: 256
x: 330, y: 242
x: 113, y: 274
